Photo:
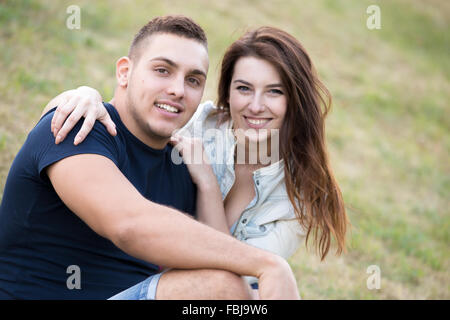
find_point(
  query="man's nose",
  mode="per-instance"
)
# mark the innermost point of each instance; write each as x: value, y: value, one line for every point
x: 176, y: 87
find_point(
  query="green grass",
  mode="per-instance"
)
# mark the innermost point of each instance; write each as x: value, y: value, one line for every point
x: 388, y: 133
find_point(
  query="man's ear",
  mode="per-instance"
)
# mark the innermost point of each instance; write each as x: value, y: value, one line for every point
x: 123, y: 69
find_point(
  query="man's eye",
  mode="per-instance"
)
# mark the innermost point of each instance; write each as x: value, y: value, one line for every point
x: 162, y: 70
x: 194, y: 81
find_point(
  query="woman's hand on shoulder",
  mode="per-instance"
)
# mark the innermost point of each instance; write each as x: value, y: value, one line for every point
x: 83, y: 102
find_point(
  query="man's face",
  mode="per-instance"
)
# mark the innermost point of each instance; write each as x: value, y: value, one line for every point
x: 165, y: 85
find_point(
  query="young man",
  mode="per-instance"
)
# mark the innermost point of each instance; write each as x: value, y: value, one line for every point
x: 89, y: 221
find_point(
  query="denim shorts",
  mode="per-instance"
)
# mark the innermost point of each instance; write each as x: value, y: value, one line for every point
x: 145, y: 290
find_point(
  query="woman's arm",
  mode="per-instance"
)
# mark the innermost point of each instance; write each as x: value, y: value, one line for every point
x: 72, y: 106
x: 210, y: 209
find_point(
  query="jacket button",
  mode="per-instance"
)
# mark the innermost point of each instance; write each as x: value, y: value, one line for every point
x: 262, y: 228
x: 244, y: 221
x: 257, y: 182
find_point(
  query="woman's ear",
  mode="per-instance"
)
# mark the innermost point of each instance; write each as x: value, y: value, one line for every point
x: 123, y: 68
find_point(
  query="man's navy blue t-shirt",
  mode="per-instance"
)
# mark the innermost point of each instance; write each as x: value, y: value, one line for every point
x: 40, y: 238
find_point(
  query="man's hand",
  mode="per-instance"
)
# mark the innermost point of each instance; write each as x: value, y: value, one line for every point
x: 277, y: 282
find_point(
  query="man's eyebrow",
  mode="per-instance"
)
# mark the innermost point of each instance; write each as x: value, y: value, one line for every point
x: 175, y: 65
x: 198, y: 72
x: 168, y: 61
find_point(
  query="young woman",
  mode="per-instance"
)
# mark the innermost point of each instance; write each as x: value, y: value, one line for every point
x: 268, y: 93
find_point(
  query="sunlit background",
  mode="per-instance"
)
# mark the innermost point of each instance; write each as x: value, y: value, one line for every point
x: 388, y: 132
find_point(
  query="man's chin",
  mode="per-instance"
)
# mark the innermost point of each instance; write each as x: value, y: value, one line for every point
x: 163, y: 134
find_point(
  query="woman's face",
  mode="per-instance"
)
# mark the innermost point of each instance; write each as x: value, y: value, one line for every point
x: 257, y: 98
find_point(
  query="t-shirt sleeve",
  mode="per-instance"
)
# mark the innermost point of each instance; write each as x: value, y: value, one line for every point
x: 45, y: 152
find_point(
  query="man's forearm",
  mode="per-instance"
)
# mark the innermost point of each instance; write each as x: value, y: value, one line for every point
x: 167, y: 237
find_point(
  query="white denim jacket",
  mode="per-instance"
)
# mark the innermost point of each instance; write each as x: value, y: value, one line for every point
x: 268, y: 222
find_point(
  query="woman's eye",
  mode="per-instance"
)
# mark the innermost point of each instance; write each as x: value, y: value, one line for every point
x: 243, y: 88
x: 276, y: 91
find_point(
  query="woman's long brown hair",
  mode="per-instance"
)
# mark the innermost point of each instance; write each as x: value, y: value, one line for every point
x: 310, y: 183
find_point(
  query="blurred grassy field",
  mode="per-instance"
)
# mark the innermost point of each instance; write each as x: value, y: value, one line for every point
x: 388, y: 133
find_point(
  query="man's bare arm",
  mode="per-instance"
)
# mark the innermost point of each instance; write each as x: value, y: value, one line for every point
x: 94, y: 188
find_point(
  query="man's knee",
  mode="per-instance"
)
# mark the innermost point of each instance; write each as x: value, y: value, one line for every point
x: 231, y: 286
x: 205, y: 284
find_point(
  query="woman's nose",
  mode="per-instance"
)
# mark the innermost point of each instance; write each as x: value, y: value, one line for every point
x: 256, y: 105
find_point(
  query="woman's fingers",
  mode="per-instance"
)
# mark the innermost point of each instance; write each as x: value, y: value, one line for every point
x: 83, y: 102
x: 176, y: 141
x: 106, y: 120
x: 71, y: 121
x: 87, y: 126
x: 63, y: 100
x: 183, y: 145
x: 191, y: 149
x: 62, y: 112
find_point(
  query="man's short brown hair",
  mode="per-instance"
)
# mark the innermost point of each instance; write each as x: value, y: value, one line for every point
x: 174, y: 24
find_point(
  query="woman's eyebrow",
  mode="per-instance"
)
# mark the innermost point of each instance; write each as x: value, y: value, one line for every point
x: 274, y: 85
x: 242, y: 81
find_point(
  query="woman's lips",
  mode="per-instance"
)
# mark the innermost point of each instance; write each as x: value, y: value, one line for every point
x: 256, y: 123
